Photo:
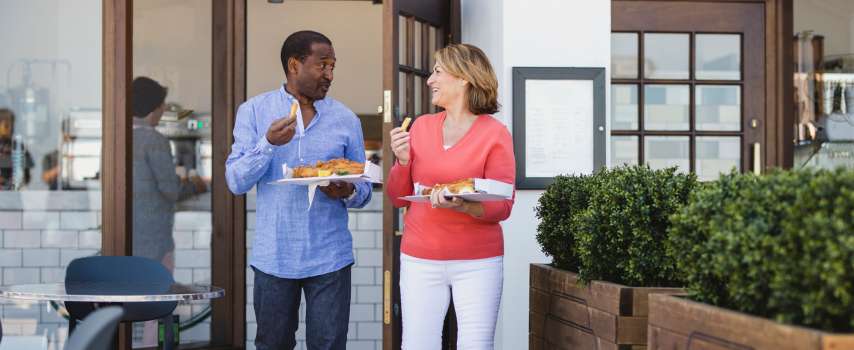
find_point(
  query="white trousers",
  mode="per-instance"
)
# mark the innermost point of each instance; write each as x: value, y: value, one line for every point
x: 426, y: 287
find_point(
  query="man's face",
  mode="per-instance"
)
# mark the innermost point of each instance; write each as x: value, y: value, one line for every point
x: 313, y: 74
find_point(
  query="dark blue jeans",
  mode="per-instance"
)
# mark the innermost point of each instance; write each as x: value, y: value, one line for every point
x: 327, y: 311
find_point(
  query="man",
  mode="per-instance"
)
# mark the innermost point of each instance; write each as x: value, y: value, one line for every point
x: 7, y: 154
x: 297, y: 247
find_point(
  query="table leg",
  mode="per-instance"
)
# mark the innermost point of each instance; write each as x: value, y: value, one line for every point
x: 168, y: 334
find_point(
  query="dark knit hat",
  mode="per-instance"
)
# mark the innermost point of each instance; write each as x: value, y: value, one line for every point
x: 146, y: 96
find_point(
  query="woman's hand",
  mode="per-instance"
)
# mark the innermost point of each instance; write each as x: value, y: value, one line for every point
x: 438, y: 200
x: 400, y: 145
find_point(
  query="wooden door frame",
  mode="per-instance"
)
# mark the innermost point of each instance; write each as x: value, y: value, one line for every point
x: 228, y: 244
x: 778, y: 128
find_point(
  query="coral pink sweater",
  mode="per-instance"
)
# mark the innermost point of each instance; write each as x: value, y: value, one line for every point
x: 485, y: 151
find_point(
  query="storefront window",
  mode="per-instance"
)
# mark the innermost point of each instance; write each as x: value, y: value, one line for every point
x: 824, y: 84
x: 50, y: 154
x: 171, y: 108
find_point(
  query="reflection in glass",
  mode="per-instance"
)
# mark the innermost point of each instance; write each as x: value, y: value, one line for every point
x: 718, y: 107
x: 403, y: 56
x: 419, y: 90
x: 50, y: 155
x: 171, y: 209
x: 417, y: 45
x: 667, y: 151
x: 666, y: 107
x: 624, y: 150
x: 716, y: 155
x: 666, y: 56
x: 624, y: 55
x: 718, y: 56
x: 401, y: 85
x: 624, y: 107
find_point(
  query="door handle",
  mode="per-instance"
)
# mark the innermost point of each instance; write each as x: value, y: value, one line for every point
x: 387, y: 297
x: 757, y: 158
x: 387, y: 106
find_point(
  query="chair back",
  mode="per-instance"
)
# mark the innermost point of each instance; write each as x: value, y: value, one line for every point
x: 137, y: 275
x: 96, y: 331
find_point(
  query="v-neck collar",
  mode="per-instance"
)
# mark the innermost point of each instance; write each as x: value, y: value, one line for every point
x: 461, y: 140
x: 289, y: 99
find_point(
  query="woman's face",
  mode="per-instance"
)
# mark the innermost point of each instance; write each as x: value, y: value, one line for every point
x: 445, y: 88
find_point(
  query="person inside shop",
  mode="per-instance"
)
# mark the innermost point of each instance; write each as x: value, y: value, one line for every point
x: 13, y: 153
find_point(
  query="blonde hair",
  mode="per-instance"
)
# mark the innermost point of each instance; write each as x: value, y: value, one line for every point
x: 469, y: 63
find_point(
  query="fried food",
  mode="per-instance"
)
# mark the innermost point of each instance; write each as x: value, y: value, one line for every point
x: 340, y: 166
x: 456, y: 187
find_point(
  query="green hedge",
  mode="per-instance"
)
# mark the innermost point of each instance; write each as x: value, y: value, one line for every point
x: 612, y: 225
x: 779, y: 246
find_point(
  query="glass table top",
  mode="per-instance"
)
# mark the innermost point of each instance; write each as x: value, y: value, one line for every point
x: 111, y: 292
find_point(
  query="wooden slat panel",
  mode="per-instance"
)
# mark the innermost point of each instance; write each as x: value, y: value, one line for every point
x: 601, y: 295
x: 536, y: 344
x: 539, y: 301
x: 631, y: 330
x: 564, y: 336
x: 660, y: 339
x: 640, y: 298
x: 539, y: 276
x: 604, y: 325
x: 569, y: 310
x: 698, y: 320
x: 537, y: 324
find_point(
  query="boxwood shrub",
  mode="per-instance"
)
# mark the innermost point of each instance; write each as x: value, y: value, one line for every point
x: 612, y: 225
x: 559, y: 209
x: 780, y: 246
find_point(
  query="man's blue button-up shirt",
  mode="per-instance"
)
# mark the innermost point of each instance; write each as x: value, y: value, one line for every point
x: 291, y: 240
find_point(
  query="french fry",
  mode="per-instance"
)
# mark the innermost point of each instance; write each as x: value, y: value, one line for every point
x: 294, y: 107
x: 405, y: 124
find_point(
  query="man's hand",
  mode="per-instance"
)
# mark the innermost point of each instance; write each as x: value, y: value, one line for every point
x: 338, y: 190
x: 282, y: 130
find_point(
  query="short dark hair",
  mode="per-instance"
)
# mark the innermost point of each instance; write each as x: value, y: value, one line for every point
x: 298, y: 45
x: 146, y: 96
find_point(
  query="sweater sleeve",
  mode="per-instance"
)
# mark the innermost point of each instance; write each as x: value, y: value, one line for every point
x: 500, y: 166
x: 399, y: 184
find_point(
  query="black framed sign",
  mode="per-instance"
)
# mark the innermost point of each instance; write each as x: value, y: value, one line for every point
x: 558, y: 123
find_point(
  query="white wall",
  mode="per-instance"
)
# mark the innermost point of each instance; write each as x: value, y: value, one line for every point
x: 172, y: 44
x: 834, y: 19
x: 560, y: 33
x: 355, y: 28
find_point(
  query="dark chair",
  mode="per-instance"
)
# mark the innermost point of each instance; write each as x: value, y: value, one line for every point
x: 96, y: 331
x: 120, y: 275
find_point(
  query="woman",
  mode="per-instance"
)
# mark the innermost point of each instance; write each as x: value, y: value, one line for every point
x: 453, y: 247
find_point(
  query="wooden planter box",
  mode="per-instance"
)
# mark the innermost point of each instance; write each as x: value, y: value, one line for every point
x: 599, y: 315
x: 676, y: 323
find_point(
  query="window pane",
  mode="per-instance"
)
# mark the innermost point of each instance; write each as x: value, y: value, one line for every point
x: 624, y: 150
x: 401, y: 85
x: 417, y: 45
x: 666, y: 56
x: 718, y: 107
x: 624, y: 55
x: 50, y: 154
x: 434, y: 42
x: 419, y: 91
x: 667, y: 151
x: 171, y: 209
x: 666, y: 107
x: 718, y: 56
x: 403, y: 57
x: 624, y: 107
x: 716, y: 155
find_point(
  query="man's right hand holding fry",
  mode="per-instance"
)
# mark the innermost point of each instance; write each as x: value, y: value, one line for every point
x: 283, y: 130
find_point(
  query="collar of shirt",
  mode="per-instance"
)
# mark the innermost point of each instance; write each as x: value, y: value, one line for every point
x: 319, y: 106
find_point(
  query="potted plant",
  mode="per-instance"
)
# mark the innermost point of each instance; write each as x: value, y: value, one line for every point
x: 606, y: 234
x: 768, y: 263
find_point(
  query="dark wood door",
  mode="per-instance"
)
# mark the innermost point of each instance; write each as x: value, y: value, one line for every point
x: 688, y: 85
x: 412, y: 31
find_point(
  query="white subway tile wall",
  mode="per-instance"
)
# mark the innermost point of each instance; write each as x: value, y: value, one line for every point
x: 365, y: 330
x: 37, y: 247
